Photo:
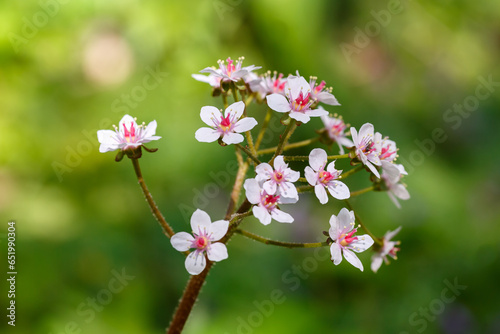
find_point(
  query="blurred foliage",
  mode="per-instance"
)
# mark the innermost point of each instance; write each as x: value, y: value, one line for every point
x: 66, y: 71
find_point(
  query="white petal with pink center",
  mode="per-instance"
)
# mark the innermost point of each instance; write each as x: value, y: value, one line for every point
x: 391, y: 176
x: 388, y: 249
x: 388, y: 150
x: 227, y: 126
x: 232, y: 71
x: 335, y: 127
x: 297, y: 100
x: 127, y: 135
x: 203, y: 240
x: 367, y: 149
x: 266, y: 205
x: 280, y: 178
x: 320, y: 178
x: 342, y: 232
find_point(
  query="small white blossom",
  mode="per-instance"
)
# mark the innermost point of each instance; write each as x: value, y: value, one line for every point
x: 266, y: 205
x: 367, y: 149
x: 335, y: 127
x: 297, y: 100
x: 228, y: 126
x: 320, y: 178
x: 128, y: 135
x: 391, y: 175
x: 268, y: 84
x: 344, y: 242
x: 232, y: 71
x: 388, y: 249
x: 205, y: 233
x: 388, y: 150
x: 280, y: 178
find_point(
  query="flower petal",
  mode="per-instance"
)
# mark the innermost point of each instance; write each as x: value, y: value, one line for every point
x: 236, y: 109
x: 311, y: 176
x: 390, y: 234
x: 327, y: 98
x: 353, y: 259
x: 376, y: 262
x: 252, y: 190
x: 217, y: 252
x: 218, y: 229
x: 297, y: 85
x: 232, y: 138
x: 195, y: 263
x: 320, y: 192
x: 208, y: 114
x: 317, y: 159
x: 335, y: 229
x: 299, y: 116
x: 316, y: 112
x: 344, y: 220
x: 269, y: 187
x: 245, y: 124
x: 338, y: 190
x: 109, y: 140
x: 281, y: 216
x: 278, y: 103
x: 200, y: 220
x: 206, y: 135
x: 354, y: 135
x: 366, y: 130
x: 262, y: 214
x: 264, y: 171
x: 362, y: 243
x: 150, y: 131
x: 288, y: 190
x: 182, y: 241
x: 336, y: 252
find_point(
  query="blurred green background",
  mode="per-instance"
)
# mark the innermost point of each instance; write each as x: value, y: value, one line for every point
x: 70, y: 68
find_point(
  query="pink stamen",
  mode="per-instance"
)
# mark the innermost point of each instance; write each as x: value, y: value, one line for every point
x: 230, y: 67
x: 385, y: 153
x: 270, y: 201
x: 129, y: 135
x: 325, y: 177
x: 348, y: 239
x: 301, y: 102
x: 319, y: 87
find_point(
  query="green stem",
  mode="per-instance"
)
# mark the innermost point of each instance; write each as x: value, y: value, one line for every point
x: 167, y: 230
x: 262, y: 131
x: 284, y: 139
x: 224, y: 100
x: 350, y: 172
x: 280, y: 243
x: 305, y: 188
x: 362, y: 191
x: 249, y: 153
x: 289, y: 146
x: 305, y: 157
x: 360, y: 222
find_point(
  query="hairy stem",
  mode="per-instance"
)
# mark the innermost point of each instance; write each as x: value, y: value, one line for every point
x: 279, y: 243
x: 249, y: 153
x: 167, y: 230
x: 284, y: 139
x: 289, y: 146
x: 362, y: 191
x: 262, y: 131
x: 350, y: 172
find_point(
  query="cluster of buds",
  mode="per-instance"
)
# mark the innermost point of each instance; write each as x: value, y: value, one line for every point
x: 275, y: 183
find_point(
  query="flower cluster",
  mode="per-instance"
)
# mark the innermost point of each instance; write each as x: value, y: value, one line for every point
x: 276, y: 182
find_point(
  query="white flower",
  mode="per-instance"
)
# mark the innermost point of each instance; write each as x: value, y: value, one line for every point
x: 320, y: 178
x: 204, y: 234
x: 388, y: 248
x: 268, y: 84
x: 391, y: 175
x: 335, y: 127
x: 344, y: 242
x: 228, y: 126
x: 388, y: 150
x: 127, y: 135
x: 266, y: 205
x: 367, y: 149
x: 297, y: 100
x: 322, y: 94
x: 278, y: 179
x: 232, y: 71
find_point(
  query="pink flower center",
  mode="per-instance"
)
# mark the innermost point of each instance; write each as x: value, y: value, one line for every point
x: 367, y: 145
x: 319, y: 87
x: 129, y: 134
x: 278, y: 85
x: 325, y: 177
x: 301, y: 103
x: 278, y: 176
x: 386, y: 152
x: 346, y: 240
x: 270, y: 201
x: 230, y: 68
x: 393, y: 252
x: 337, y: 129
x: 201, y: 242
x: 225, y: 125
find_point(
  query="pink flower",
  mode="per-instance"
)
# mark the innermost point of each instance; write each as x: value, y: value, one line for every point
x: 320, y: 178
x: 228, y: 126
x: 391, y: 176
x: 266, y: 205
x: 388, y: 249
x: 205, y: 233
x: 335, y: 128
x: 232, y: 71
x: 278, y: 179
x: 367, y: 150
x: 128, y: 135
x: 297, y: 100
x: 344, y: 242
x: 268, y: 84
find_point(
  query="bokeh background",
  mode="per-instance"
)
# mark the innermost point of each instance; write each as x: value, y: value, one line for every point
x: 69, y: 68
